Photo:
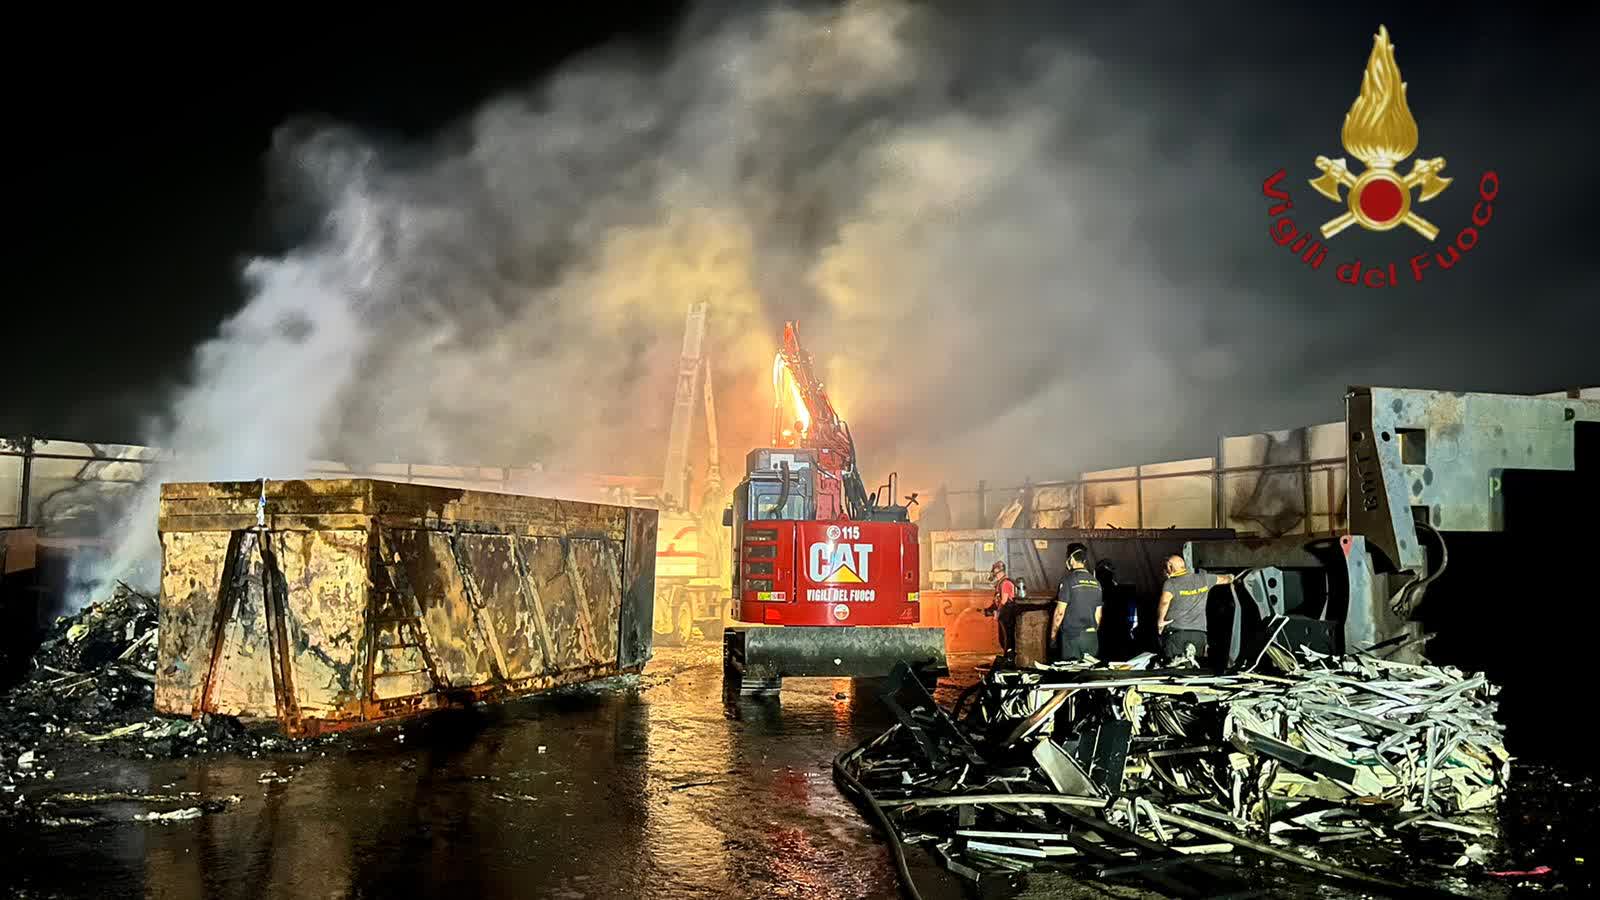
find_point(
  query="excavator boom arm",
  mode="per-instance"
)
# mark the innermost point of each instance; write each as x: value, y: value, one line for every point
x: 827, y: 430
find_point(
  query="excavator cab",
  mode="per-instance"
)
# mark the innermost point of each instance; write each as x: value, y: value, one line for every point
x: 779, y: 484
x: 825, y: 575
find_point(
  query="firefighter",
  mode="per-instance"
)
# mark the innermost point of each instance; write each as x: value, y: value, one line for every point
x: 1183, y: 596
x: 1120, y: 600
x: 1074, y: 629
x: 1004, y: 608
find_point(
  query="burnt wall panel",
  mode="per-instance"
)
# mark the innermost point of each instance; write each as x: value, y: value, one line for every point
x: 242, y: 681
x: 638, y: 586
x: 191, y: 577
x: 566, y: 634
x: 452, y: 632
x: 599, y: 568
x: 325, y: 573
x: 500, y: 589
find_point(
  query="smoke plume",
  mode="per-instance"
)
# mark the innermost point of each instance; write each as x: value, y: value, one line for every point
x: 946, y: 208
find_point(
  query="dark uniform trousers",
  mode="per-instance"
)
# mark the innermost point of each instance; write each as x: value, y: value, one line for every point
x: 1176, y: 641
x: 1006, y: 618
x: 1076, y: 645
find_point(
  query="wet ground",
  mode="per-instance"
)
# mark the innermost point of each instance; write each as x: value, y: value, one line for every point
x: 633, y: 788
x: 646, y: 787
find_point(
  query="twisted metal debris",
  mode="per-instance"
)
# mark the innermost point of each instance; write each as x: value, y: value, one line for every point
x: 1171, y: 775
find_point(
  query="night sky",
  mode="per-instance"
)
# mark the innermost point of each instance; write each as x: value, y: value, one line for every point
x: 146, y: 185
x: 140, y: 165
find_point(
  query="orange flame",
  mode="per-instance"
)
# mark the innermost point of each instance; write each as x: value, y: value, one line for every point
x: 781, y: 374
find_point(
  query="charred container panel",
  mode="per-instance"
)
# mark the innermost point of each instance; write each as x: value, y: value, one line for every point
x: 355, y: 600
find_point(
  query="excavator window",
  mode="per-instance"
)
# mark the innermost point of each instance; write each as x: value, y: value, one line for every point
x: 765, y: 497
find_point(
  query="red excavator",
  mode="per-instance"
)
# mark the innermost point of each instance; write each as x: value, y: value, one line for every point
x: 825, y: 575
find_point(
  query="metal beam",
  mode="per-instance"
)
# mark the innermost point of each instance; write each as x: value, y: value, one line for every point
x: 1447, y: 452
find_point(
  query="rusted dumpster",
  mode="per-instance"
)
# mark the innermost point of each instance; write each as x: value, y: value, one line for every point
x: 326, y: 604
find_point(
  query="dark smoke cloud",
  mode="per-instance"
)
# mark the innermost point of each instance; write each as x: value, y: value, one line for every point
x: 1006, y: 254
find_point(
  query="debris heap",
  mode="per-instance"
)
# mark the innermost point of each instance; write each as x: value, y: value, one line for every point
x: 1367, y: 731
x: 92, y: 686
x: 1169, y: 775
x: 97, y: 664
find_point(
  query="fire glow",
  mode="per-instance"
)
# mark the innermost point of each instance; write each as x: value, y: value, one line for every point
x: 781, y: 376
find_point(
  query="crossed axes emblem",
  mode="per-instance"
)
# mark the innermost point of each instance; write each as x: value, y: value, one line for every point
x: 1384, y: 180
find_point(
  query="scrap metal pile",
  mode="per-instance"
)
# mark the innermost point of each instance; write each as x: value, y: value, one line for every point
x: 1172, y: 775
x: 95, y: 663
x: 91, y: 686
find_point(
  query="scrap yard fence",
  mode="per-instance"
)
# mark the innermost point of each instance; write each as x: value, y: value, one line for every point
x: 1318, y: 483
x: 79, y: 489
x: 1271, y: 483
x: 1268, y: 484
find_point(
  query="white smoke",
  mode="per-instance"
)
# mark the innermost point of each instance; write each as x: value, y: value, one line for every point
x: 956, y: 231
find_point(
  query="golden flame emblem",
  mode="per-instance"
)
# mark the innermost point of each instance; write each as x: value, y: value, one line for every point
x: 1380, y: 131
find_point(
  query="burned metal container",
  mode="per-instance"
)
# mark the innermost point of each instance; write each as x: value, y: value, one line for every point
x: 326, y: 604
